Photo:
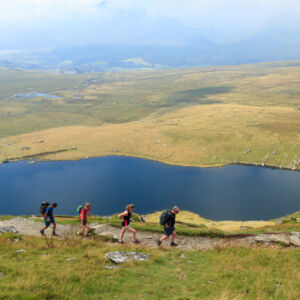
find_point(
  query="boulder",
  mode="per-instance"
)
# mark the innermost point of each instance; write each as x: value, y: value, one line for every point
x: 277, y: 238
x: 11, y: 229
x: 120, y: 257
x: 295, y: 233
x: 280, y: 238
x: 278, y: 222
x: 295, y: 240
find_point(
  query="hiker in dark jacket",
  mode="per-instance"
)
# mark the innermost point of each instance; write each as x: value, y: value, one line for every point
x: 169, y: 226
x: 49, y: 218
x: 125, y: 216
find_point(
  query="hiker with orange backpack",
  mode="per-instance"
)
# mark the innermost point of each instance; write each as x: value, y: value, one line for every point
x: 83, y: 212
x: 125, y: 216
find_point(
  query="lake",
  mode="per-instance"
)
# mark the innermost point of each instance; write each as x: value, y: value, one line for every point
x: 233, y: 192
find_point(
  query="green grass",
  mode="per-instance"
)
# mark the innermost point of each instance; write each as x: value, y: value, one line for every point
x: 42, y: 272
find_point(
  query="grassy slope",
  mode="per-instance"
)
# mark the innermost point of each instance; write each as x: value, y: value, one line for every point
x: 201, y: 117
x: 43, y: 271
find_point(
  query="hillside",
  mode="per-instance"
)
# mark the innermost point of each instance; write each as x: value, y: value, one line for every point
x: 200, y: 117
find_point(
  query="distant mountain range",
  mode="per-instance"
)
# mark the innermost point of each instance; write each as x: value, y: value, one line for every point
x: 182, y: 48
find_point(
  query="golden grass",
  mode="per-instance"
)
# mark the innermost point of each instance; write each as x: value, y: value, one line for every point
x: 202, y: 135
x: 192, y: 218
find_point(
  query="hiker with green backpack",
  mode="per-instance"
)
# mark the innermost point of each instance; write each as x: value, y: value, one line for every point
x: 167, y: 219
x: 83, y: 212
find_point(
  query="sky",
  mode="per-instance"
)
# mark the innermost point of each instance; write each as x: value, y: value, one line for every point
x: 26, y: 22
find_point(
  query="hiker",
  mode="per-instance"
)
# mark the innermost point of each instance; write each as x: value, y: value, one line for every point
x: 49, y: 218
x: 125, y: 216
x: 167, y: 219
x: 84, y: 212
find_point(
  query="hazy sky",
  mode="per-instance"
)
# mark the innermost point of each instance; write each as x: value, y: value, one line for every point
x: 80, y: 18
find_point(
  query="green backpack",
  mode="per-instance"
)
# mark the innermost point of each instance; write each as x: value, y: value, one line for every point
x: 163, y: 217
x: 79, y: 208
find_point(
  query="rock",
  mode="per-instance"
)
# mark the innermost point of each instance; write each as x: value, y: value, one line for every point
x: 74, y: 148
x: 295, y: 240
x: 20, y: 250
x: 26, y: 148
x: 295, y: 233
x: 120, y: 257
x: 93, y: 224
x: 148, y: 237
x: 70, y: 258
x: 275, y: 152
x: 109, y: 234
x: 181, y: 255
x: 277, y: 238
x: 278, y: 222
x: 247, y: 151
x: 11, y: 229
x: 1, y: 274
x: 111, y: 267
x: 244, y: 227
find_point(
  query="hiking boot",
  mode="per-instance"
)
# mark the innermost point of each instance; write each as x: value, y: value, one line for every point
x: 121, y: 242
x: 42, y: 232
x: 136, y: 241
x: 158, y: 243
x: 54, y: 234
x: 173, y: 244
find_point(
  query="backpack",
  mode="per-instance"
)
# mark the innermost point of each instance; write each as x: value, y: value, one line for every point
x: 43, y: 207
x: 163, y: 217
x: 79, y: 208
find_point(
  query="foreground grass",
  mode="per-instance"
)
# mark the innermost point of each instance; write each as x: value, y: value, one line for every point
x: 43, y: 272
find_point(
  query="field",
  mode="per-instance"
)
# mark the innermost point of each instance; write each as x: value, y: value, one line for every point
x: 200, y: 116
x: 73, y: 268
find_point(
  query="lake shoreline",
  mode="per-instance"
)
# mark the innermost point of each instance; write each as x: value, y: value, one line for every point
x: 36, y: 157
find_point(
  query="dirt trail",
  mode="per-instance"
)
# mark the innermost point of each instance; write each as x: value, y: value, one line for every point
x: 29, y: 227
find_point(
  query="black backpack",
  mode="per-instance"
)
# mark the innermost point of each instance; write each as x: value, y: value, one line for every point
x: 163, y: 217
x: 43, y: 207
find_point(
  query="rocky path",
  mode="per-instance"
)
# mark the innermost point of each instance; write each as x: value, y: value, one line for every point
x: 29, y: 227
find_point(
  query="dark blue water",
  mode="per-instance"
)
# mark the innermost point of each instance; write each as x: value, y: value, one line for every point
x: 109, y: 183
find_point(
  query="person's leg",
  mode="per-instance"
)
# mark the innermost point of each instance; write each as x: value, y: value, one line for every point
x: 54, y: 227
x: 173, y: 236
x: 47, y: 224
x: 122, y: 233
x: 164, y: 237
x: 133, y: 231
x: 87, y: 228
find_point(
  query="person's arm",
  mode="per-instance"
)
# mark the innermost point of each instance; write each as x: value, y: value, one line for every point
x: 166, y: 223
x: 46, y: 216
x: 125, y: 213
x: 81, y: 217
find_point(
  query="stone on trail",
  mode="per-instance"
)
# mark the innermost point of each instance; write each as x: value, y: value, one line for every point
x: 295, y: 233
x: 295, y: 240
x: 1, y: 274
x: 20, y: 250
x: 277, y: 238
x: 6, y: 229
x: 120, y: 257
